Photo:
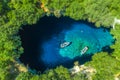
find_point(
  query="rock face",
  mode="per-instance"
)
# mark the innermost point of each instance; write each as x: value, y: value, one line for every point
x: 117, y: 76
x: 88, y: 71
x: 116, y: 21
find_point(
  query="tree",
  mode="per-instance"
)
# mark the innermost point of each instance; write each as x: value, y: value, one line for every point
x: 15, y: 13
x: 24, y: 76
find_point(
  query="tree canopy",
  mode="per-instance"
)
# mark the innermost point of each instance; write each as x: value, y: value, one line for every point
x: 16, y: 13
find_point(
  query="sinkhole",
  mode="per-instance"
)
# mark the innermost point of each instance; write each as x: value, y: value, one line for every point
x: 79, y: 39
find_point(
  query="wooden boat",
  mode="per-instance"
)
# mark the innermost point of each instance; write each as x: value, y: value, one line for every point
x: 84, y: 50
x: 65, y: 44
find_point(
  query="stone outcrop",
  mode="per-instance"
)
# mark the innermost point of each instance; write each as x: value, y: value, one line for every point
x: 116, y: 21
x: 88, y: 71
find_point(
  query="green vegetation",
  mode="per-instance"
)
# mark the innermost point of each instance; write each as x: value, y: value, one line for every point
x: 15, y: 13
x: 99, y: 12
x: 105, y: 65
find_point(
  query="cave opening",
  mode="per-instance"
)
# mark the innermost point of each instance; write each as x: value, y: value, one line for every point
x: 41, y: 42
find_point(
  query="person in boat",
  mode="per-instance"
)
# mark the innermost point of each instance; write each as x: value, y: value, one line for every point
x: 84, y: 50
x: 65, y: 44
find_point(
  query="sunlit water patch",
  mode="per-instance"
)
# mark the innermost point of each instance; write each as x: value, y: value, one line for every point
x: 42, y: 42
x: 80, y: 35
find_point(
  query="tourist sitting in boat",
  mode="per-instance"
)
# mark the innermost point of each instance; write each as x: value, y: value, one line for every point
x: 65, y: 44
x: 84, y: 50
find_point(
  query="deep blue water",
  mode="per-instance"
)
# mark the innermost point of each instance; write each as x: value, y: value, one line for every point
x: 81, y: 35
x: 42, y: 41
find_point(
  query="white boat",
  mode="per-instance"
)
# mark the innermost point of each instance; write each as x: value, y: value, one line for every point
x: 65, y: 44
x: 84, y: 50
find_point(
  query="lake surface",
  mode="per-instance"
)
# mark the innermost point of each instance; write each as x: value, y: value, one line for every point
x: 42, y: 42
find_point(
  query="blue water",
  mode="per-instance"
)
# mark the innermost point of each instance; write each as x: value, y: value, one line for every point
x: 80, y: 35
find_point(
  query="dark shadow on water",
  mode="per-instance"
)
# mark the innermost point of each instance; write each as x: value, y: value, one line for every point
x: 107, y: 49
x: 34, y: 35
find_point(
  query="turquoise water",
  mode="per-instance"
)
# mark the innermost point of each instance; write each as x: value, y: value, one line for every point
x: 41, y: 42
x: 81, y: 35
